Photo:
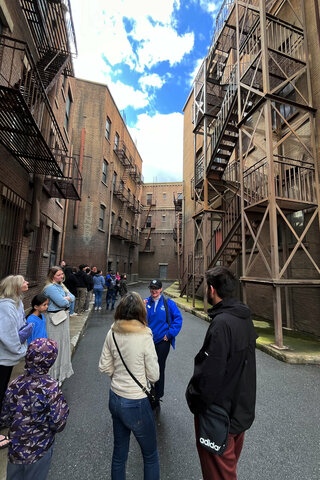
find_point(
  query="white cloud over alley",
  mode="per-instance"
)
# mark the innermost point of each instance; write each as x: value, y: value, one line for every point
x: 138, y: 35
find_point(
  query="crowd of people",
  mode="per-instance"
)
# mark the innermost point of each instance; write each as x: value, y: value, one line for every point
x: 134, y: 355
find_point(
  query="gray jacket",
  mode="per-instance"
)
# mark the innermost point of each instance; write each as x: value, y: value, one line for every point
x: 12, y: 318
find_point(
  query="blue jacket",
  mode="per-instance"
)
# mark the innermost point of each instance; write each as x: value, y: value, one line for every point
x: 157, y: 320
x: 98, y: 282
x: 39, y: 327
x: 56, y: 294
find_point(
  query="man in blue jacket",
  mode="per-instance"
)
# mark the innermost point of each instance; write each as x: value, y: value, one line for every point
x: 165, y: 321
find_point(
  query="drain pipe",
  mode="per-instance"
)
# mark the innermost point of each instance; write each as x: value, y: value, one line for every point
x: 76, y: 207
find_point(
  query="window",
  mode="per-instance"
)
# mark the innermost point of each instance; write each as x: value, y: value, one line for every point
x: 108, y: 128
x: 129, y: 194
x: 101, y: 217
x: 149, y: 198
x: 68, y: 109
x: 163, y: 218
x: 54, y: 248
x: 148, y: 244
x: 162, y: 241
x: 46, y: 239
x: 34, y: 253
x: 112, y: 219
x: 127, y: 227
x: 149, y: 220
x: 116, y: 141
x: 164, y: 196
x: 105, y: 171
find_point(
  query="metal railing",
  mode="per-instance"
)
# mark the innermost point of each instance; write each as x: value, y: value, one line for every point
x: 293, y: 179
x: 232, y: 172
x: 51, y: 24
x: 222, y: 117
x: 20, y: 82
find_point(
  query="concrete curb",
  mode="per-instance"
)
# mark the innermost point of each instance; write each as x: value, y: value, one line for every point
x: 287, y: 356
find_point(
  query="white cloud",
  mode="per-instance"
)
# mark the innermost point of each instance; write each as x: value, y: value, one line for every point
x: 153, y: 80
x: 125, y: 95
x: 208, y: 5
x: 100, y: 29
x: 160, y: 144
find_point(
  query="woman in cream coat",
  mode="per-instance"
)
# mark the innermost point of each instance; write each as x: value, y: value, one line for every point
x: 129, y: 406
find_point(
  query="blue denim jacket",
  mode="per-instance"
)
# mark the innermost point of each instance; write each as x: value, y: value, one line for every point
x: 56, y: 294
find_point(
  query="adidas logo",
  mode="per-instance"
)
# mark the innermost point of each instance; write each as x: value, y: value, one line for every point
x: 210, y: 444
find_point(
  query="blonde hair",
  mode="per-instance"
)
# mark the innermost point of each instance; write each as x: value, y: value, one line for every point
x: 10, y: 287
x: 131, y: 307
x: 51, y: 273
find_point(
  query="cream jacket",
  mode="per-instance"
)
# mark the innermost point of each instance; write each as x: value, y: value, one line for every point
x: 136, y: 345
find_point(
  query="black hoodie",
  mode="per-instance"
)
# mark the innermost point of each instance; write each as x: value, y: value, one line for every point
x: 225, y: 367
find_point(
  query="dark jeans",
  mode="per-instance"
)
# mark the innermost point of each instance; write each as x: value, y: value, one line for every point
x: 111, y: 297
x: 162, y: 349
x: 134, y: 416
x: 30, y: 471
x: 97, y: 298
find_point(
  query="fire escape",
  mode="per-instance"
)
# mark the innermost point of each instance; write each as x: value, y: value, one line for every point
x: 28, y: 127
x: 254, y: 157
x: 148, y: 225
x: 177, y: 231
x: 125, y: 196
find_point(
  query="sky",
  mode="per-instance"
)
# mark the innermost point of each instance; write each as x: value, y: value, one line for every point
x: 147, y: 52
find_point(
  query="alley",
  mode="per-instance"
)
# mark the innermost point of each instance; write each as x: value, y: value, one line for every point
x: 283, y: 443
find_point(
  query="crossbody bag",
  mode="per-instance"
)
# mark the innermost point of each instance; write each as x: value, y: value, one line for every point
x: 150, y: 393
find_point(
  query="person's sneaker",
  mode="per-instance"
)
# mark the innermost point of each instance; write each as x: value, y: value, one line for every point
x: 73, y: 314
x: 100, y: 308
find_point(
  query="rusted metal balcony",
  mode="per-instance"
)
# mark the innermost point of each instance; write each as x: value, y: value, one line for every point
x: 120, y: 232
x: 135, y: 206
x: 51, y: 25
x: 69, y: 186
x: 177, y: 200
x: 135, y: 174
x: 27, y: 124
x: 122, y: 153
x: 133, y: 238
x: 120, y: 192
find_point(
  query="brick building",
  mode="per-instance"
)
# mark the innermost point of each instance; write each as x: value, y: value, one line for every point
x: 38, y: 174
x: 103, y: 229
x: 158, y: 255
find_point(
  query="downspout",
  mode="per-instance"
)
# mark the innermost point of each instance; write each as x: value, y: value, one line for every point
x: 76, y: 207
x: 317, y: 12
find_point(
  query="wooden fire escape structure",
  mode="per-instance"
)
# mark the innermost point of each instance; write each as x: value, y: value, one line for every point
x: 28, y: 127
x: 254, y: 150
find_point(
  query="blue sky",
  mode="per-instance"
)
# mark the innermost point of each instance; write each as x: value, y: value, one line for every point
x: 147, y: 52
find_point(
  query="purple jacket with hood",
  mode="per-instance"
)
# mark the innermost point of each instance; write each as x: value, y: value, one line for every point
x: 34, y: 408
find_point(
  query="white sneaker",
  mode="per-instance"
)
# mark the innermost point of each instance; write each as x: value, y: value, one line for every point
x: 100, y: 308
x: 73, y: 314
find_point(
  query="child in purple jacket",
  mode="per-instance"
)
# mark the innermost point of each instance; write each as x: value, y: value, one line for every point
x: 34, y: 409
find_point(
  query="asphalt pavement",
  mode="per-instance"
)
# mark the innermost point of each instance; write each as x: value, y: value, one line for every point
x: 283, y: 443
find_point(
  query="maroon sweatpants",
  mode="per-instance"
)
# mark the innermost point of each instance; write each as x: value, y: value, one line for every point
x: 225, y: 466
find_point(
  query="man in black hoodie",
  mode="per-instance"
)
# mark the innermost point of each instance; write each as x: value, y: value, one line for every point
x: 225, y: 372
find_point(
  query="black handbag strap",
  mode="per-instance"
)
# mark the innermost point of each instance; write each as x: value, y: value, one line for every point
x: 165, y: 303
x: 144, y: 389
